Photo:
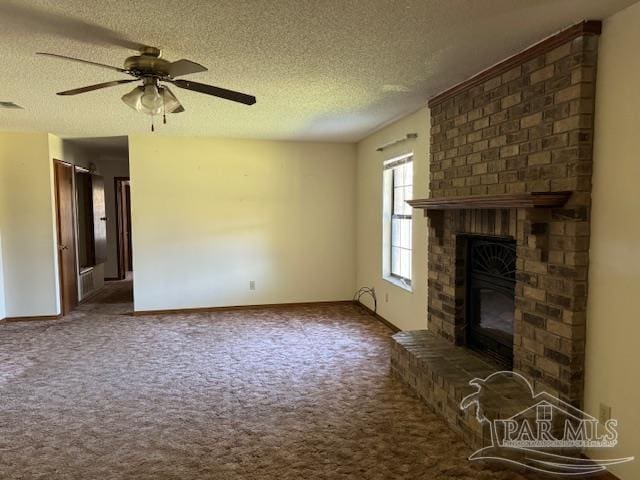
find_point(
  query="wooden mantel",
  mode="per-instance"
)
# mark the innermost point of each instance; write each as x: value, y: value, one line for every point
x: 510, y: 200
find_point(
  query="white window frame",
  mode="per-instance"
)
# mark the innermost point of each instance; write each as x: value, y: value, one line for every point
x: 387, y: 215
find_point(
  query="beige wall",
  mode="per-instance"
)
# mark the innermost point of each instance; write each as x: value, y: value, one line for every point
x: 613, y: 317
x: 210, y: 215
x: 406, y: 310
x: 27, y: 225
x: 2, y: 309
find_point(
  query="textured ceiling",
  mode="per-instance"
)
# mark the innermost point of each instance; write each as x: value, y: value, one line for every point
x: 330, y: 70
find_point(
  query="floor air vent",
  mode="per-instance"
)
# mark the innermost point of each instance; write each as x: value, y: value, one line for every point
x: 87, y: 283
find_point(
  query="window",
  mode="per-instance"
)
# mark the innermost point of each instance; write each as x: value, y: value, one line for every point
x: 397, y: 189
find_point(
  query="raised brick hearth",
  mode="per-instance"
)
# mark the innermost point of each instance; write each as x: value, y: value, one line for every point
x: 439, y: 372
x: 525, y: 125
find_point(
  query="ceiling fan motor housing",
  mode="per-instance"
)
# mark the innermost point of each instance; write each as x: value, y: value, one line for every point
x: 148, y: 64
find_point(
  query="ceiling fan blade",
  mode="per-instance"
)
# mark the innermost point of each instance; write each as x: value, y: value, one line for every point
x: 215, y: 91
x: 22, y: 19
x: 98, y: 86
x: 184, y: 67
x: 64, y: 57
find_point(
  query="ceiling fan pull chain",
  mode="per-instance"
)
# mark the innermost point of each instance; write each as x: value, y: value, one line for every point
x: 152, y: 126
x: 164, y: 108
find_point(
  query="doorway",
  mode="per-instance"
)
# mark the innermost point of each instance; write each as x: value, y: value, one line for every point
x: 63, y: 178
x: 123, y: 214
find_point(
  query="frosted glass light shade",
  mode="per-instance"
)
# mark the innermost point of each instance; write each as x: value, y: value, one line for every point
x: 171, y: 103
x: 134, y: 100
x: 165, y: 99
x: 151, y: 98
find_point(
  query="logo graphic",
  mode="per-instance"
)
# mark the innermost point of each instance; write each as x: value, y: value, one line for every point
x: 526, y: 427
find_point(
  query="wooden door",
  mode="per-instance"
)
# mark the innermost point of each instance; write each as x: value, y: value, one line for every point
x: 66, y: 238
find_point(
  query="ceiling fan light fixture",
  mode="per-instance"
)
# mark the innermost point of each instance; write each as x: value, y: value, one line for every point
x: 134, y: 99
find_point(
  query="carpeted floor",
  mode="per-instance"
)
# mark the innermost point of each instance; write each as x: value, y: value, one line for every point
x: 280, y: 393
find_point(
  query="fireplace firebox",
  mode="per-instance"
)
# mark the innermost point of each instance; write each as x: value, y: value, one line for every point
x: 491, y: 267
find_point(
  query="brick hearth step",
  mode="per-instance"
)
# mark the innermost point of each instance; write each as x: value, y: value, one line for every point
x: 439, y: 373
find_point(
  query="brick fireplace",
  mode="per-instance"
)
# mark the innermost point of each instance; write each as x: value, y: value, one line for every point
x: 511, y: 158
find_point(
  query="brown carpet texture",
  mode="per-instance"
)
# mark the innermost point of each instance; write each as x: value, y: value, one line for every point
x: 273, y: 393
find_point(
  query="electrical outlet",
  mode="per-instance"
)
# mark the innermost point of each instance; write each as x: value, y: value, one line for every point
x: 605, y: 413
x: 386, y: 298
x: 252, y: 284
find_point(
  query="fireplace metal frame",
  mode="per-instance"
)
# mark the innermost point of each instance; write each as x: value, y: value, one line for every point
x: 490, y: 264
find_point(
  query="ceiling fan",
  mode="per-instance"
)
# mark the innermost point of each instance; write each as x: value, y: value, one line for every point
x: 154, y: 97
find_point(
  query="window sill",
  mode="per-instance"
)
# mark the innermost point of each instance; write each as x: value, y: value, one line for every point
x: 398, y: 283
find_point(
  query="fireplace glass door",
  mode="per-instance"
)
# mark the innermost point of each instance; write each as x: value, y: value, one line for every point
x: 491, y: 270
